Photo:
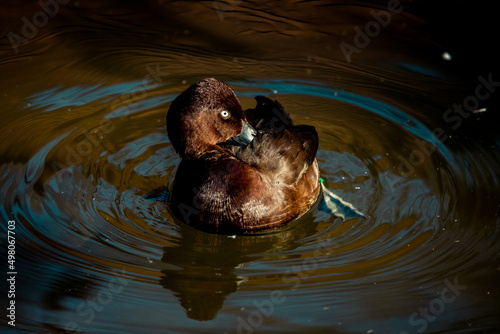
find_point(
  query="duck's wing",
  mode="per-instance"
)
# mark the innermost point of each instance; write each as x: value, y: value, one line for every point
x: 283, y: 156
x: 280, y: 150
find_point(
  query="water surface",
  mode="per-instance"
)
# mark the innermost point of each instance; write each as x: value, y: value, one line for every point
x: 83, y: 141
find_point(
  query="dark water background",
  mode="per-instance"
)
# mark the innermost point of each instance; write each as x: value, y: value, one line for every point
x: 84, y: 94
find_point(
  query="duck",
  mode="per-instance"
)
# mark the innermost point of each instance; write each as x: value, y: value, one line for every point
x: 241, y: 171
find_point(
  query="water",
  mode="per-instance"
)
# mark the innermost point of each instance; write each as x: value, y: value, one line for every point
x: 83, y: 141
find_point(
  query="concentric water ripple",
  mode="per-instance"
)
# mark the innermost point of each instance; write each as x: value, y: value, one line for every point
x: 105, y: 258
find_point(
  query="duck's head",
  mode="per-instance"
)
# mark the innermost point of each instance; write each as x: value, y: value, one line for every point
x: 205, y: 114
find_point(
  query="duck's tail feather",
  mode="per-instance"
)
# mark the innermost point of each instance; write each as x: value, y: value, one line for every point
x: 268, y: 114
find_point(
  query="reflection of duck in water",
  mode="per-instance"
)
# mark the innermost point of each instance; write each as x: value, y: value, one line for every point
x: 205, y: 266
x: 232, y: 178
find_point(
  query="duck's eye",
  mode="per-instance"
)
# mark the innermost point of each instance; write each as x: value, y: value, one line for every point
x: 224, y: 113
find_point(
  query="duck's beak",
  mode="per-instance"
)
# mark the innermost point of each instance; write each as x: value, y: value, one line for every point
x: 246, y: 135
